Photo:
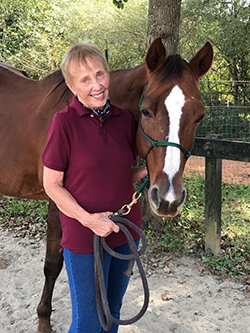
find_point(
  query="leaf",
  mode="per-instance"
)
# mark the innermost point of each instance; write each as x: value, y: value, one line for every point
x: 248, y: 279
x: 248, y: 293
x: 164, y: 297
x: 2, y: 264
x: 167, y: 270
x: 165, y: 259
x: 199, y: 267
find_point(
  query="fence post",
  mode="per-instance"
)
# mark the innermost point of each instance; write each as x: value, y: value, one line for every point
x: 213, y: 174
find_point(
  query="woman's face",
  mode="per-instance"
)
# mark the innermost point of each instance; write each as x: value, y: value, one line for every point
x: 90, y: 83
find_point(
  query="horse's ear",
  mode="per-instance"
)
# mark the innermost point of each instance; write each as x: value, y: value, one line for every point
x: 156, y: 55
x: 202, y: 61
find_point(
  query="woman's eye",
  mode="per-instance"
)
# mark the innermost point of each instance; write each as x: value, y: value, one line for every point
x: 100, y: 74
x: 146, y: 113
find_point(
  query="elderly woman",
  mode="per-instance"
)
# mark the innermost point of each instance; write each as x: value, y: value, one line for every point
x: 88, y: 173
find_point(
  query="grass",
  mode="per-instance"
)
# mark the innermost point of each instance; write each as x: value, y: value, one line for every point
x: 24, y: 217
x: 183, y: 234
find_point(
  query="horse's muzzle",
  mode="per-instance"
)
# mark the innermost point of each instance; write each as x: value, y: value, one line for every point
x: 166, y: 204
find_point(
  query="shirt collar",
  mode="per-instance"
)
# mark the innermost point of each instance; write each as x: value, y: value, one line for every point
x: 81, y: 110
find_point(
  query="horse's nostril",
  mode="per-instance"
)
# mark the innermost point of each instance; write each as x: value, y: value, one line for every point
x: 155, y: 197
x: 183, y: 197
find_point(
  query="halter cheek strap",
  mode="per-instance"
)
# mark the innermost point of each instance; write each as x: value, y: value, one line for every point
x: 155, y: 143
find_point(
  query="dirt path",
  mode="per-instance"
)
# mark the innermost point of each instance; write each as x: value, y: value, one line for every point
x: 233, y: 172
x: 194, y: 302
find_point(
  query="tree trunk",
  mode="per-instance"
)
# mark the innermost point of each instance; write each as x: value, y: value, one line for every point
x: 164, y: 21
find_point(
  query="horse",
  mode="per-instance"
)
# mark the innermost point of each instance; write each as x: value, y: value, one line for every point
x: 170, y: 108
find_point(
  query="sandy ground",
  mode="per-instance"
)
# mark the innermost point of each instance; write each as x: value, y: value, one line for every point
x: 233, y: 172
x: 195, y: 302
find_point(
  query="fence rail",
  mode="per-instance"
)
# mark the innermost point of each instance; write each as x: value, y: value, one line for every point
x: 222, y: 149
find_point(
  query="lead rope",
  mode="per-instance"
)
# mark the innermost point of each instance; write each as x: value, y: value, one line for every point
x: 105, y: 317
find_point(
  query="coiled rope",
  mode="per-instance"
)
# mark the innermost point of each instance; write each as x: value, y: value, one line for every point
x: 103, y: 310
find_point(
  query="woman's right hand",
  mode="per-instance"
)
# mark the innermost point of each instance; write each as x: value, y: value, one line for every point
x: 101, y: 224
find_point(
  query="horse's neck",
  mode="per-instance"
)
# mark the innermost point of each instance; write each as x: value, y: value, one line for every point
x: 126, y: 87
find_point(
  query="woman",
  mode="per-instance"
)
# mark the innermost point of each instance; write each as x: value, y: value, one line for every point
x: 88, y: 174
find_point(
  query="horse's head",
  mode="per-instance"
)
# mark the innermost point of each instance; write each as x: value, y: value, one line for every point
x: 170, y: 111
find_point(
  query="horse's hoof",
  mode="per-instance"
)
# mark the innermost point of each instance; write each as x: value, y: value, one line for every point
x: 44, y: 329
x: 47, y: 331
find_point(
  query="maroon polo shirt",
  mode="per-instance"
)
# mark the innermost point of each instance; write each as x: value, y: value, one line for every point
x: 96, y: 158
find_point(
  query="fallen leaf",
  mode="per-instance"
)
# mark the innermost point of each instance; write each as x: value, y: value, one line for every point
x: 248, y: 293
x: 199, y: 267
x: 2, y: 264
x: 248, y: 279
x: 164, y: 297
x: 167, y: 270
x: 165, y: 259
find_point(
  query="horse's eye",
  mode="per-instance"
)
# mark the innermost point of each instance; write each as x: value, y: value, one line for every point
x: 197, y: 121
x: 146, y: 113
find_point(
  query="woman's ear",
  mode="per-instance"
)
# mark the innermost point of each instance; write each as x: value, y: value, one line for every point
x: 70, y: 87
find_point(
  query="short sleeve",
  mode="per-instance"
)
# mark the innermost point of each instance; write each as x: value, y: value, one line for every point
x: 57, y: 150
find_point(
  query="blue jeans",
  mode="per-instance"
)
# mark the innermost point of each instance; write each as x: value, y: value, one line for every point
x: 80, y: 270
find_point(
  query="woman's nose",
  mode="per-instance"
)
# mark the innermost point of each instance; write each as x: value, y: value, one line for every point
x: 96, y: 84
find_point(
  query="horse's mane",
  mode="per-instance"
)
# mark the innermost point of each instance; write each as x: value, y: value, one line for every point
x: 125, y: 71
x: 172, y: 67
x: 13, y: 69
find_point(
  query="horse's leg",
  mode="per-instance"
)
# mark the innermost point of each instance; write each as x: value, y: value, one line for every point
x: 52, y: 268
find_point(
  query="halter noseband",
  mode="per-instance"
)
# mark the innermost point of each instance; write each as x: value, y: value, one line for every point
x: 155, y: 143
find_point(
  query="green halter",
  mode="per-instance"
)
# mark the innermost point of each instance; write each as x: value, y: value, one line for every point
x: 154, y: 143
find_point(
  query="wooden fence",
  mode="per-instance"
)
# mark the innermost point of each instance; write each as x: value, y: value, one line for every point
x: 214, y: 152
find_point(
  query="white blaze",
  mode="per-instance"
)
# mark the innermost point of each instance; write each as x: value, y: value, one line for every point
x: 174, y: 104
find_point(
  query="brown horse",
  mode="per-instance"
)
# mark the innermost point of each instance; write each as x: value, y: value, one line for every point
x: 171, y: 108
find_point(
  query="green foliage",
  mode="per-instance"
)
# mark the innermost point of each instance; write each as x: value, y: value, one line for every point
x: 35, y: 34
x: 185, y: 233
x: 231, y: 263
x: 24, y: 216
x: 18, y: 208
x: 224, y: 23
x: 234, y: 258
x: 31, y: 34
x: 225, y: 90
x: 125, y: 30
x: 119, y: 3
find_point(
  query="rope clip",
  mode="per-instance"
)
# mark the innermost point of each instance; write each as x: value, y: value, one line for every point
x: 127, y: 208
